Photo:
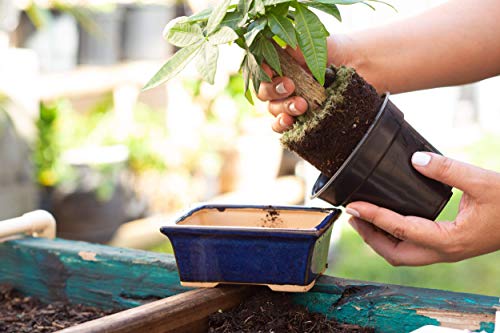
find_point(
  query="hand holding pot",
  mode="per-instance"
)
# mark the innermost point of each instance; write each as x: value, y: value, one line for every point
x: 414, y: 241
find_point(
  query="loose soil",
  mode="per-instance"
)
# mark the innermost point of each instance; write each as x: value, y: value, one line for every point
x: 272, y: 219
x: 326, y: 137
x: 275, y: 312
x: 20, y: 314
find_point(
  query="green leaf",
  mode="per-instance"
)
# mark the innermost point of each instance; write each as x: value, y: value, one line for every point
x: 200, y: 16
x: 243, y: 8
x: 256, y: 72
x: 270, y: 54
x: 325, y: 7
x: 232, y: 19
x: 222, y: 36
x: 311, y: 35
x: 280, y: 9
x: 283, y: 28
x: 217, y: 15
x: 254, y: 29
x: 274, y: 2
x: 182, y: 34
x: 206, y: 62
x: 174, y: 65
x: 258, y: 8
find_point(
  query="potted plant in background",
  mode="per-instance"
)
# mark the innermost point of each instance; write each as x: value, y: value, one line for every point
x: 83, y: 188
x: 355, y: 137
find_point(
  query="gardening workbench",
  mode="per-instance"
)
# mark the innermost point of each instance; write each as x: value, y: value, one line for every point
x: 147, y: 284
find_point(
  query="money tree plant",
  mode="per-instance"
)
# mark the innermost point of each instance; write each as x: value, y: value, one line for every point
x: 261, y: 28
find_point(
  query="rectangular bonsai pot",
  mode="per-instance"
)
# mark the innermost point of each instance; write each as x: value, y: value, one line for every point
x: 283, y: 247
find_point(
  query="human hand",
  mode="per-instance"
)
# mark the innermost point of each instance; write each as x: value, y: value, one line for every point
x: 282, y: 103
x: 415, y: 241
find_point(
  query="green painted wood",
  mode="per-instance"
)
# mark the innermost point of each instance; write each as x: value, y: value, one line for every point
x: 392, y: 308
x: 91, y: 274
x: 110, y: 277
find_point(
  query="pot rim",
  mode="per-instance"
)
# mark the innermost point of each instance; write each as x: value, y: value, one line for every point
x: 331, y: 216
x: 355, y: 151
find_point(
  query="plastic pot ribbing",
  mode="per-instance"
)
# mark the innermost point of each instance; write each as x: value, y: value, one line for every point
x: 379, y: 170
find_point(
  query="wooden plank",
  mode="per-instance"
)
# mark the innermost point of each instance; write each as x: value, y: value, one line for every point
x: 90, y: 274
x: 392, y: 308
x: 186, y: 312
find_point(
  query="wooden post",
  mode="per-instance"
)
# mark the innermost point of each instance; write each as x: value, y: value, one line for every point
x: 187, y: 312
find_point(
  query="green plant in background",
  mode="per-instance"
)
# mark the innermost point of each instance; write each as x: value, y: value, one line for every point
x: 47, y: 148
x: 253, y: 25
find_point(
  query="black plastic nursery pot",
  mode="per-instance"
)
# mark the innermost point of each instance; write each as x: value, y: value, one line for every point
x: 379, y: 170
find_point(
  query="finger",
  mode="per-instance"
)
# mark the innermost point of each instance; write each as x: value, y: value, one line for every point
x: 461, y: 175
x: 407, y: 228
x: 282, y: 122
x: 397, y: 253
x: 268, y: 70
x: 297, y: 55
x: 279, y: 88
x: 293, y: 106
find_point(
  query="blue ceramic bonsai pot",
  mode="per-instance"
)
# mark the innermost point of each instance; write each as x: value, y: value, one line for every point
x: 283, y: 247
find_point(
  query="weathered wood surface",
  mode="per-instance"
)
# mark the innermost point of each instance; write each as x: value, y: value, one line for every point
x: 111, y: 277
x: 183, y: 313
x: 90, y: 274
x: 392, y: 308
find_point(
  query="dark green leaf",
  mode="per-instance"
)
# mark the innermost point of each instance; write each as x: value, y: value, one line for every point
x: 283, y: 28
x: 311, y: 35
x: 280, y: 9
x: 174, y: 65
x: 217, y: 15
x: 254, y: 29
x: 270, y: 54
x: 327, y: 8
x: 206, y: 62
x: 222, y: 36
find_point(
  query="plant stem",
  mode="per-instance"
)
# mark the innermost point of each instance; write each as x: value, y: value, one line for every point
x: 305, y: 85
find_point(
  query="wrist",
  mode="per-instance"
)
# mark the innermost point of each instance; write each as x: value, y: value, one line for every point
x: 345, y: 50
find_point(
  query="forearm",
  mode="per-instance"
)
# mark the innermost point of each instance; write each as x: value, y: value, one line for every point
x: 455, y: 43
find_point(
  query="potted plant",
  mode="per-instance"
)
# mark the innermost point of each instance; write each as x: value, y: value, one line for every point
x: 356, y: 138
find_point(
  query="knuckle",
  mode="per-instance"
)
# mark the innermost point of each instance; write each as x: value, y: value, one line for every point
x: 393, y: 261
x: 400, y: 233
x: 445, y: 169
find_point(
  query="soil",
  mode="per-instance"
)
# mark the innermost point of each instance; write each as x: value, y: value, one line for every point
x: 19, y: 313
x: 275, y: 312
x: 327, y: 138
x: 272, y: 219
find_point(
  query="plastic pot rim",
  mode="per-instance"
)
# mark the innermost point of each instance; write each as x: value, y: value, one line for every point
x: 355, y: 151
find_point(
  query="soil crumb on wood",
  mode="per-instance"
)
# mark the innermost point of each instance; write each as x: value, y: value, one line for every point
x: 23, y: 314
x: 272, y: 219
x: 275, y: 312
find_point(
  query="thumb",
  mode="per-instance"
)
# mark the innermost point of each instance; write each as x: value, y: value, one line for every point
x: 463, y: 176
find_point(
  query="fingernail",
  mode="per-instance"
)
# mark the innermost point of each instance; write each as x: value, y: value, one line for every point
x: 282, y: 122
x: 420, y: 159
x: 280, y: 88
x: 293, y: 109
x: 352, y: 212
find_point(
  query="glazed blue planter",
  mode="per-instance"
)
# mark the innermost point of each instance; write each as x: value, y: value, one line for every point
x: 283, y: 247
